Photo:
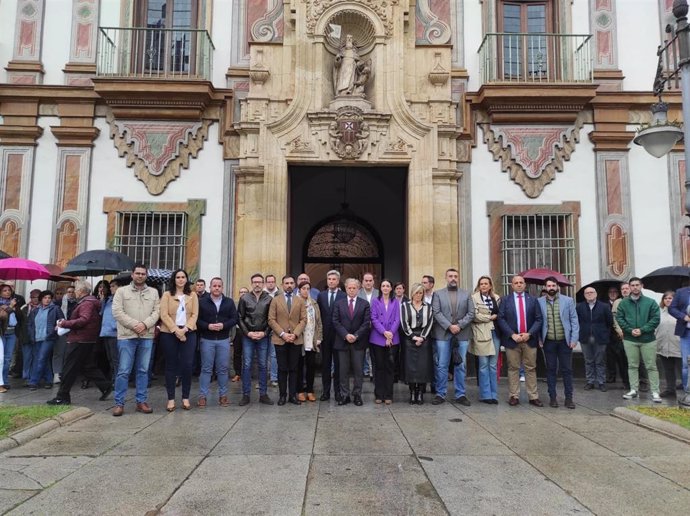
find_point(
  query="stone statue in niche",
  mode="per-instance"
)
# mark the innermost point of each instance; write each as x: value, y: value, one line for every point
x: 350, y: 71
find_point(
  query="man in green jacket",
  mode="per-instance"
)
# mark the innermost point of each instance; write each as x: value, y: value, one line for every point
x: 638, y: 316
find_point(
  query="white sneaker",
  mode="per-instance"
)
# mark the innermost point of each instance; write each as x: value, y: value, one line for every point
x: 630, y: 395
x: 522, y: 378
x: 56, y: 378
x: 656, y: 398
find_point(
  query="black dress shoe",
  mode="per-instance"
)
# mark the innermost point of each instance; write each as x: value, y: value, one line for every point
x: 105, y: 393
x: 294, y: 400
x: 487, y: 401
x: 244, y: 401
x: 325, y: 397
x: 494, y: 401
x: 358, y: 401
x: 437, y: 400
x: 589, y: 386
x: 462, y: 400
x: 536, y: 402
x: 58, y: 401
x: 265, y: 399
x: 344, y: 401
x: 282, y: 400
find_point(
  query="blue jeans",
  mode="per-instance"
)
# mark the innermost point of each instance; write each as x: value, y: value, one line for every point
x: 10, y: 341
x: 685, y: 353
x: 260, y: 347
x: 488, y: 379
x: 41, y: 368
x: 133, y: 351
x: 274, y: 362
x: 442, y: 355
x: 29, y: 356
x: 218, y: 352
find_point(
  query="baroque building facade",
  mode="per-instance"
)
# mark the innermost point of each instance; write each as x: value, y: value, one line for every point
x: 398, y: 136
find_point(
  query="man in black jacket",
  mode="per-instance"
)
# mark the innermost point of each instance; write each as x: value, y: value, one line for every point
x: 596, y: 323
x: 217, y: 318
x: 329, y: 357
x: 253, y: 320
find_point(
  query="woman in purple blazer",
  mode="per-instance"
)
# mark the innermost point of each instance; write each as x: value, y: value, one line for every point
x: 385, y: 321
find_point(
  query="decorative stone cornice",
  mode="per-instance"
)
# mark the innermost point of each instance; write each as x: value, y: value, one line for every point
x: 19, y: 134
x: 75, y: 136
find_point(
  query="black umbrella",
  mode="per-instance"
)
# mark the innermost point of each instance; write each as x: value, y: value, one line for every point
x: 667, y: 278
x: 602, y: 287
x: 98, y: 263
x: 154, y: 277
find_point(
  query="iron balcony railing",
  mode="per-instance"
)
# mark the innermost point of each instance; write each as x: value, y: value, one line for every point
x: 531, y: 57
x: 154, y: 53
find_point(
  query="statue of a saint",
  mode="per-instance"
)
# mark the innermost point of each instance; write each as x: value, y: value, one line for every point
x: 346, y: 66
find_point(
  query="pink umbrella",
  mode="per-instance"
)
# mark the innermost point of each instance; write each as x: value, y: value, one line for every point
x: 538, y: 276
x: 22, y: 269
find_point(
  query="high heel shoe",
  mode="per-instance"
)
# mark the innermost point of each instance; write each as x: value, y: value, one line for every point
x: 171, y: 406
x: 186, y: 405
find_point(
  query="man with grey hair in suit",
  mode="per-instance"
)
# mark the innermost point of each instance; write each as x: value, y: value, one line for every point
x: 453, y: 313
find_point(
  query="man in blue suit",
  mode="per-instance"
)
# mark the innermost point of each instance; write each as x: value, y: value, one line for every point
x: 559, y: 334
x: 519, y: 319
x: 680, y: 308
x: 326, y: 301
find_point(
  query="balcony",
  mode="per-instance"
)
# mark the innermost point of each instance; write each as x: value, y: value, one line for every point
x: 534, y: 78
x: 154, y: 73
x: 536, y: 58
x: 154, y: 53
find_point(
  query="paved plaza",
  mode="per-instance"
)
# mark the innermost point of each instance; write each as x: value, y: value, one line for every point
x: 322, y: 459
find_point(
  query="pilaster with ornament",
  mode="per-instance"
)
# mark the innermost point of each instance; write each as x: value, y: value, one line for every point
x: 82, y: 54
x: 603, y: 24
x: 680, y: 243
x: 615, y: 215
x: 26, y: 66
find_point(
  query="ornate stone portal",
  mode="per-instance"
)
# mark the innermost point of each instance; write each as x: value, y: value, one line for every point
x: 347, y: 85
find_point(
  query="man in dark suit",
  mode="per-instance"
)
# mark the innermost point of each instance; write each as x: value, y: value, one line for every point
x: 329, y: 358
x: 351, y: 321
x: 520, y: 322
x: 680, y: 308
x: 596, y: 325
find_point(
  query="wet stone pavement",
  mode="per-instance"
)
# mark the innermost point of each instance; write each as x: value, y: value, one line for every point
x: 319, y: 458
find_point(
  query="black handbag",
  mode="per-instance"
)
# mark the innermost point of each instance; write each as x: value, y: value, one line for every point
x: 455, y: 349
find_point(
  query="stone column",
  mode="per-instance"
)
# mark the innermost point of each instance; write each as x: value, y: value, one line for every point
x: 249, y: 226
x: 82, y: 51
x: 26, y: 66
x: 604, y: 27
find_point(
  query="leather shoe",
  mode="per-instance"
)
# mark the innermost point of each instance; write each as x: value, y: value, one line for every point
x: 265, y: 399
x: 553, y: 402
x: 302, y: 396
x: 201, y: 403
x: 223, y: 401
x: 358, y: 401
x: 602, y: 387
x: 144, y: 408
x: 569, y: 403
x: 487, y: 401
x: 344, y: 401
x: 118, y: 410
x: 437, y: 400
x: 244, y: 401
x: 325, y: 397
x: 58, y: 401
x: 536, y: 402
x: 294, y: 401
x: 105, y: 393
x: 282, y: 400
x: 462, y: 400
x: 589, y: 386
x: 513, y: 401
x: 494, y: 401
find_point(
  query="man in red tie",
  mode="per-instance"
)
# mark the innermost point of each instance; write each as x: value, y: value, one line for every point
x: 520, y: 322
x: 351, y: 322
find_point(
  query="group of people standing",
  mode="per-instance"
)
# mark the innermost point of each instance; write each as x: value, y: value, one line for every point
x: 422, y: 340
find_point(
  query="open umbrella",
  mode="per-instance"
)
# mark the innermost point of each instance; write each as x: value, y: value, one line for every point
x: 602, y: 287
x: 538, y: 277
x: 56, y: 273
x: 667, y: 278
x: 98, y: 262
x: 154, y: 277
x: 22, y: 269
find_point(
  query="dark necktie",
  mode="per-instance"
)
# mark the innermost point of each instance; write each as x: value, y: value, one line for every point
x: 521, y: 308
x: 289, y: 301
x: 352, y: 308
x: 330, y: 298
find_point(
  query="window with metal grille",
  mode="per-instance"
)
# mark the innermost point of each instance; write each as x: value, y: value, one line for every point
x: 158, y: 240
x: 537, y: 241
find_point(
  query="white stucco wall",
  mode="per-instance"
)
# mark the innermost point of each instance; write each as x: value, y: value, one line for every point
x: 203, y: 180
x: 110, y: 13
x: 8, y: 15
x: 57, y: 28
x: 221, y: 35
x: 638, y: 39
x: 473, y: 34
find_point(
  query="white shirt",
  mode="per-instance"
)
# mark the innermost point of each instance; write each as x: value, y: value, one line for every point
x: 181, y: 316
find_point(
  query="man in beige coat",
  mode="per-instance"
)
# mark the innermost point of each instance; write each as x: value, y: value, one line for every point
x: 136, y: 308
x: 287, y: 317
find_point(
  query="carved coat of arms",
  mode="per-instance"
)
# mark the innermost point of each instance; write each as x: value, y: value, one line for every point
x: 349, y: 133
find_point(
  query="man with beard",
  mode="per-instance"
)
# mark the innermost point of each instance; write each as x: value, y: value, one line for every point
x: 453, y: 314
x: 559, y: 333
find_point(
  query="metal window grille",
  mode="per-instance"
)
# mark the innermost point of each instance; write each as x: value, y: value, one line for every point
x: 536, y: 241
x: 158, y: 240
